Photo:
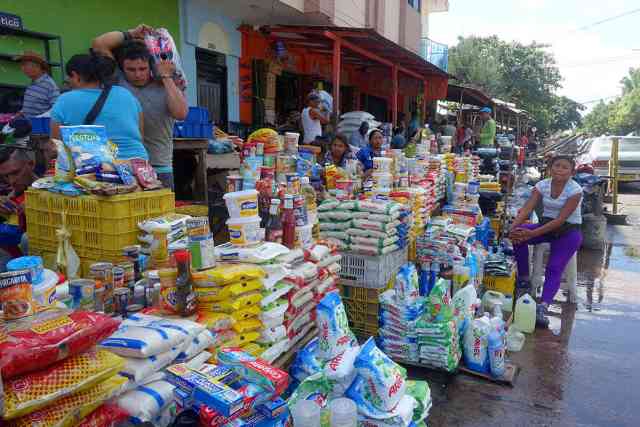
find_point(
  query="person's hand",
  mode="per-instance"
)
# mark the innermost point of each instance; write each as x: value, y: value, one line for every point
x: 165, y: 68
x: 140, y: 31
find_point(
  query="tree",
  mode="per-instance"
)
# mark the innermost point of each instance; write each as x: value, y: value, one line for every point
x: 597, y: 121
x: 524, y: 74
x: 631, y: 82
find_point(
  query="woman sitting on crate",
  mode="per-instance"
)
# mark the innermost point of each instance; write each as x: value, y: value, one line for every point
x: 560, y: 226
x: 94, y: 102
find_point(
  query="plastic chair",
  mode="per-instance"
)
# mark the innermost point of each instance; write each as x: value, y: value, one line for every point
x: 569, y: 277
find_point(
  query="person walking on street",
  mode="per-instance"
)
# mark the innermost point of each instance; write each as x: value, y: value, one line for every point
x: 43, y: 92
x: 162, y: 100
x: 487, y: 135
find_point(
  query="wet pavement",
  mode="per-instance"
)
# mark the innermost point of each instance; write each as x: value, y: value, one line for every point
x: 583, y: 371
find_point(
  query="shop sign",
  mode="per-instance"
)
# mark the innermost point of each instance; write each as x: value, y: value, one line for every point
x: 9, y: 20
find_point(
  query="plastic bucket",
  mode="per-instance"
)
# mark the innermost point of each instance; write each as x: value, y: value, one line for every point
x: 244, y: 231
x: 242, y: 204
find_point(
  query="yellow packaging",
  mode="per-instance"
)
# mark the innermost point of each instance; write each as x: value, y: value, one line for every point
x: 216, y: 321
x: 201, y: 279
x: 248, y: 325
x: 245, y: 301
x: 240, y: 288
x: 242, y: 339
x: 226, y: 274
x: 253, y: 349
x: 67, y: 411
x: 208, y: 294
x: 246, y: 313
x: 29, y: 392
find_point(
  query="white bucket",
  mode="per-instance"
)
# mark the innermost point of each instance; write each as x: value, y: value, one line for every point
x: 242, y: 204
x: 291, y: 142
x: 244, y: 231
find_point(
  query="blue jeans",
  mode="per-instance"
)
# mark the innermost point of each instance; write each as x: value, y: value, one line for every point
x: 167, y: 179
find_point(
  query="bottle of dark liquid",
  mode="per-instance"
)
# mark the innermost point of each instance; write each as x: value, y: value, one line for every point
x: 288, y: 223
x: 273, y: 226
x: 185, y: 297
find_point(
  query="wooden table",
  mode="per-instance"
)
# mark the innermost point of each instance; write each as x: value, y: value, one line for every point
x: 200, y: 148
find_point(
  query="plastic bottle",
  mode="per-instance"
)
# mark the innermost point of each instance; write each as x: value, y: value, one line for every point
x: 288, y: 223
x: 343, y: 413
x: 273, y: 227
x: 424, y: 279
x: 496, y: 349
x: 525, y: 315
x: 306, y: 413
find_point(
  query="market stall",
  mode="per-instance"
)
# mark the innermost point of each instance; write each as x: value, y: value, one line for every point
x: 332, y: 279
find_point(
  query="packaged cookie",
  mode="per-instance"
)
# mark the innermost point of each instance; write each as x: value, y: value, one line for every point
x: 16, y: 294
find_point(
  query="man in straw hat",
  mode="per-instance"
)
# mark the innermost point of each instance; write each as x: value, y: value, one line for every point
x: 40, y: 96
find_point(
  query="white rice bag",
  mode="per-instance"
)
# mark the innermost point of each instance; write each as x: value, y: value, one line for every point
x: 271, y: 336
x: 319, y: 252
x: 276, y: 350
x: 146, y: 402
x: 142, y: 341
x: 333, y: 328
x: 203, y: 341
x: 139, y: 369
x: 329, y: 260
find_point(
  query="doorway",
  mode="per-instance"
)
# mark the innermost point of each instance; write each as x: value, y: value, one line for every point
x: 211, y: 72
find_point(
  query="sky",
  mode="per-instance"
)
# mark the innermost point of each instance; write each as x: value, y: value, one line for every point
x: 592, y: 57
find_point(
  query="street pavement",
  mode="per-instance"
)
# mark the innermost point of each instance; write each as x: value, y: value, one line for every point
x: 583, y: 370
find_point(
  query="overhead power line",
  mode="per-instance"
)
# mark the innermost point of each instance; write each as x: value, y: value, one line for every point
x: 612, y: 18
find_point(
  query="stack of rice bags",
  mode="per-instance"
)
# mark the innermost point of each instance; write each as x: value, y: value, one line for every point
x: 273, y: 337
x: 400, y: 309
x: 367, y: 227
x: 437, y: 331
x: 333, y: 365
x: 301, y: 311
x: 177, y: 223
x: 325, y: 256
x: 52, y: 372
x: 229, y: 298
x: 148, y: 344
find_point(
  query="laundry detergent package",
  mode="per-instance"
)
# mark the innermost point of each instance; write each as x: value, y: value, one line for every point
x: 385, y: 380
x: 334, y: 334
x: 306, y: 364
x: 255, y: 370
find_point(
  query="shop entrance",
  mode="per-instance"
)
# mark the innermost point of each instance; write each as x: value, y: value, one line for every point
x: 212, y: 85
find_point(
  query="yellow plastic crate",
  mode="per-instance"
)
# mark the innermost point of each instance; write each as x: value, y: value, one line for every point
x: 503, y: 284
x: 49, y: 260
x: 357, y: 293
x: 496, y: 225
x: 98, y: 224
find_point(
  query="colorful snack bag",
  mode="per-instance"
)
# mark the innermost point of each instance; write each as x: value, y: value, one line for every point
x: 107, y: 415
x: 16, y: 294
x: 89, y: 147
x: 334, y: 334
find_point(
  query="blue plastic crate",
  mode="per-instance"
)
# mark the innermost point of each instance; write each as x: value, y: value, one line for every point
x: 40, y: 125
x: 198, y: 115
x: 192, y: 130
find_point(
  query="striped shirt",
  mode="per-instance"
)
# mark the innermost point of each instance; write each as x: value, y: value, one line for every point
x: 40, y: 96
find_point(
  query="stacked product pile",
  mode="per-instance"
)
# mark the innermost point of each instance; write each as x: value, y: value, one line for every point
x: 365, y: 227
x: 351, y: 121
x: 334, y: 366
x: 52, y: 371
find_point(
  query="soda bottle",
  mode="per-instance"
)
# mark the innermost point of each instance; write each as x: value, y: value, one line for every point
x: 288, y: 223
x: 185, y: 297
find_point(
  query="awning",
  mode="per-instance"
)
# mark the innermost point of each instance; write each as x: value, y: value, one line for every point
x: 360, y: 45
x: 467, y: 95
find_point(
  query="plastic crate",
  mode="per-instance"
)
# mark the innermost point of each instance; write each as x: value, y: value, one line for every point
x: 198, y: 115
x: 49, y: 259
x: 357, y: 293
x: 496, y: 225
x: 192, y: 130
x: 98, y: 225
x: 40, y: 125
x: 503, y: 284
x: 370, y: 271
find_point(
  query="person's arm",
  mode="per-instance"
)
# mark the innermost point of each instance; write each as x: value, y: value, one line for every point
x: 108, y: 42
x: 566, y: 211
x: 525, y: 212
x: 176, y: 101
x: 317, y: 115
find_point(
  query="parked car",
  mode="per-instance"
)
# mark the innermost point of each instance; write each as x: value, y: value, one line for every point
x: 599, y: 155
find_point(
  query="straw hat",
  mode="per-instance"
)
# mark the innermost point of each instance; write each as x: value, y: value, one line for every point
x: 29, y: 55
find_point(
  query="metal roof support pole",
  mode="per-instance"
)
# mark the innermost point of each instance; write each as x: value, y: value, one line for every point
x: 394, y: 95
x: 336, y: 64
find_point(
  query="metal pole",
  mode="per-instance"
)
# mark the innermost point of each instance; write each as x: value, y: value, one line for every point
x: 613, y: 165
x: 336, y: 65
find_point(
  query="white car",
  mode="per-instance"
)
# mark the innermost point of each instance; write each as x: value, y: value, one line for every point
x: 628, y: 157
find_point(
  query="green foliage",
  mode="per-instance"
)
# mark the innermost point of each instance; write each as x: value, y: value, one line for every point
x: 620, y: 116
x: 524, y: 74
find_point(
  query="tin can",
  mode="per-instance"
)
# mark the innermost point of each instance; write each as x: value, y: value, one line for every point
x: 82, y: 293
x: 293, y: 183
x: 267, y: 173
x: 300, y: 211
x: 121, y: 300
x: 118, y: 277
x: 133, y: 309
x: 132, y: 253
x: 103, y: 272
x: 98, y: 298
x: 234, y: 183
x: 129, y: 272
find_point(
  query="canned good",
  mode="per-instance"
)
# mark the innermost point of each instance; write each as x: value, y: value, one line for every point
x: 134, y: 308
x: 133, y: 254
x: 121, y: 300
x: 300, y: 211
x: 293, y: 183
x: 98, y: 298
x: 82, y: 293
x: 234, y: 183
x: 118, y: 277
x: 267, y: 173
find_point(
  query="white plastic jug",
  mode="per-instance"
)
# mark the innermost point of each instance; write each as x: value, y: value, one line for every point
x: 507, y: 305
x: 525, y: 315
x: 343, y: 413
x: 490, y: 299
x: 306, y: 413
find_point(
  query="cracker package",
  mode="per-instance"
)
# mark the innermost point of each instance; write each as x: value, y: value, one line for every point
x: 16, y: 294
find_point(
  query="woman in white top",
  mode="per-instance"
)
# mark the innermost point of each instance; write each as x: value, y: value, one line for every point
x: 312, y: 119
x: 560, y: 226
